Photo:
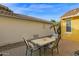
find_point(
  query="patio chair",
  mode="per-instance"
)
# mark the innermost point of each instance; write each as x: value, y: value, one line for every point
x: 54, y: 45
x: 30, y: 46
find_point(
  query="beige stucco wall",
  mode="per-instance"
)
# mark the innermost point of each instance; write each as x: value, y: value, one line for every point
x: 12, y: 30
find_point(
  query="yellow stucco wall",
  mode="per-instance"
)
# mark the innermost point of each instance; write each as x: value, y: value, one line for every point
x: 74, y: 34
x: 12, y: 30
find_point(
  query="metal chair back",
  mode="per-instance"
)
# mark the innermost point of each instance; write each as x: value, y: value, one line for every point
x: 28, y: 43
x: 57, y: 40
x: 59, y: 34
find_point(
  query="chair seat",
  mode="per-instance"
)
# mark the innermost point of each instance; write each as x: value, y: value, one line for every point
x: 33, y: 47
x: 51, y: 45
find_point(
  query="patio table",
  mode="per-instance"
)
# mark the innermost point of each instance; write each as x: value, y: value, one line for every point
x: 42, y: 42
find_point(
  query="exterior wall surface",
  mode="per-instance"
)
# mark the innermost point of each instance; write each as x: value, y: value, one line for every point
x: 12, y: 29
x: 74, y: 34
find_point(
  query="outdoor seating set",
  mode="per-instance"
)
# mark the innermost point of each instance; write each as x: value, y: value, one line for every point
x: 38, y: 43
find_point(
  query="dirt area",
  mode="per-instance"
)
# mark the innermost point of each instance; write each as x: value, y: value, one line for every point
x: 68, y: 47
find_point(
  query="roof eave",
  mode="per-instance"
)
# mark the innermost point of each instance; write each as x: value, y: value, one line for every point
x: 33, y: 19
x: 70, y: 16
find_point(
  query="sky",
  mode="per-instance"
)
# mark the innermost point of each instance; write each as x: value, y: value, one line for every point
x: 46, y: 11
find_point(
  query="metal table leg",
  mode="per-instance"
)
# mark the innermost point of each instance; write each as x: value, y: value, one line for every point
x: 44, y: 50
x: 40, y: 51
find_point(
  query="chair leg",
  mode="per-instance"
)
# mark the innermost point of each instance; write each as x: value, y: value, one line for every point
x: 31, y: 52
x: 26, y: 52
x: 57, y: 50
x: 52, y: 51
x: 44, y: 50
